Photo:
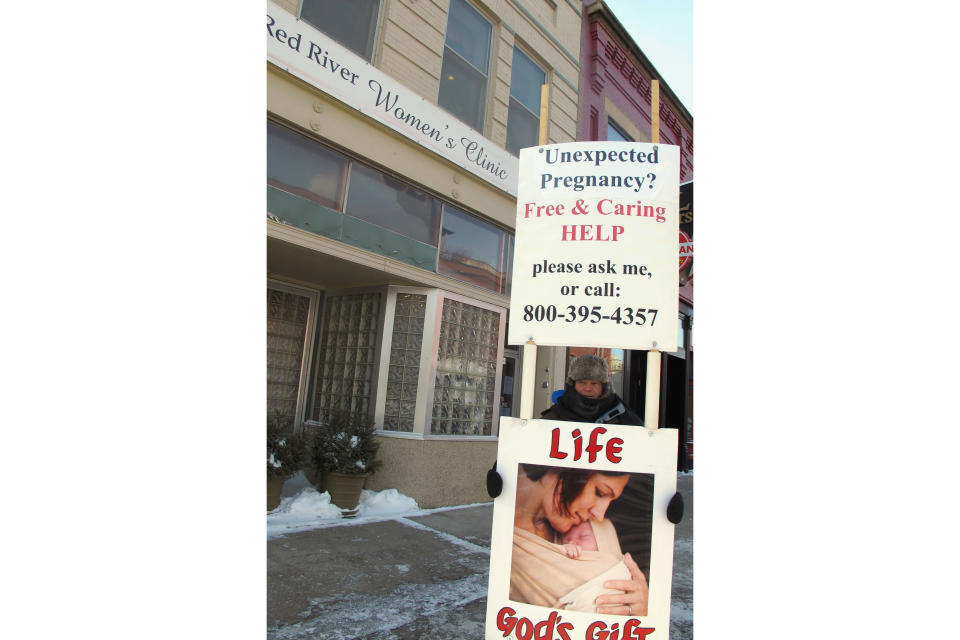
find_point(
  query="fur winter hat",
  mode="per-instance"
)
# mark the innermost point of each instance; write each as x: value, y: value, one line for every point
x: 589, y: 367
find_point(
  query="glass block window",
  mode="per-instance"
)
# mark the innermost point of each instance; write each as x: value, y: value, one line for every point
x: 286, y: 333
x: 353, y: 27
x: 463, y: 401
x: 466, y: 63
x: 523, y: 120
x: 345, y: 368
x: 404, y: 368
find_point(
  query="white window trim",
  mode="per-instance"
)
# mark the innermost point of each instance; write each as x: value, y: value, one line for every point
x: 423, y: 381
x: 306, y: 360
x: 433, y: 315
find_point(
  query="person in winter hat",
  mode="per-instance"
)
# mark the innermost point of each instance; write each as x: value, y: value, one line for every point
x: 589, y: 397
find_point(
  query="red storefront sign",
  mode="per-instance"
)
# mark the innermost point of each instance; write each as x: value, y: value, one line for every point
x: 686, y: 250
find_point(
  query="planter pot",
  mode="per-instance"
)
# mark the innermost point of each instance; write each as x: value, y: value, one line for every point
x: 344, y: 488
x: 274, y: 488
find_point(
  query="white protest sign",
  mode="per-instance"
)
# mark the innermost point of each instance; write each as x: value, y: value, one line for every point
x: 540, y: 588
x: 312, y: 56
x: 597, y: 244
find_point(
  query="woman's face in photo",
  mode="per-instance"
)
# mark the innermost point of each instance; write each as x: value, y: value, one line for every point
x: 591, y: 504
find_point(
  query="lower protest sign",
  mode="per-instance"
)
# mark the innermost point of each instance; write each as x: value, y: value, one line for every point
x: 581, y: 546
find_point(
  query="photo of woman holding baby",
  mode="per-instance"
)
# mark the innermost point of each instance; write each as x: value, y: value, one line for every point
x: 566, y: 554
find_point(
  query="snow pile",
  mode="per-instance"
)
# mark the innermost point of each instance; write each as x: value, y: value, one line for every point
x: 384, y: 503
x: 309, y: 502
x: 310, y: 509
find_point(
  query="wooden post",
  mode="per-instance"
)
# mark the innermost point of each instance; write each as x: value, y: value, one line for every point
x: 528, y: 382
x: 651, y: 413
x: 544, y: 112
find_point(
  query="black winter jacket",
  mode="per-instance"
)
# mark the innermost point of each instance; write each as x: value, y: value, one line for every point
x: 573, y: 407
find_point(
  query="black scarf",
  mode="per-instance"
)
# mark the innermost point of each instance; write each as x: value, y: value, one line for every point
x: 587, y: 409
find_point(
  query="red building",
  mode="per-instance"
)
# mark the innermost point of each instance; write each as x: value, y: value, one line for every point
x: 615, y: 104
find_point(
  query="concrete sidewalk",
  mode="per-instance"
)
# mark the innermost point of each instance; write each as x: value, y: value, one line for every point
x: 412, y: 578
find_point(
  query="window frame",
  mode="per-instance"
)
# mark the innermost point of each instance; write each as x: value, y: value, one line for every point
x: 484, y: 102
x: 433, y: 317
x: 344, y: 185
x: 390, y: 308
x: 353, y: 161
x: 407, y: 184
x: 305, y: 385
x: 511, y: 99
x: 322, y: 322
x: 374, y: 38
x: 435, y: 348
x: 612, y: 124
x: 506, y: 248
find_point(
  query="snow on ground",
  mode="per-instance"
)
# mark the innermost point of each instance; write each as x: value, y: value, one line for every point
x: 309, y: 502
x: 308, y: 509
x: 386, y: 502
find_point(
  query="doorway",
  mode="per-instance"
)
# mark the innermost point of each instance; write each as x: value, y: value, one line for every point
x: 510, y: 384
x: 675, y: 383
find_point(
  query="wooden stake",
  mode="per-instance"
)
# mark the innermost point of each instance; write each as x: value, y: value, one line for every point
x: 544, y: 112
x: 528, y: 381
x: 651, y: 413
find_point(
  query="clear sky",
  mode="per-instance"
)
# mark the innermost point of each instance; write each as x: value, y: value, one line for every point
x: 663, y: 29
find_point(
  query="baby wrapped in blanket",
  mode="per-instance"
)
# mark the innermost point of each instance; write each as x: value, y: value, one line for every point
x: 570, y: 573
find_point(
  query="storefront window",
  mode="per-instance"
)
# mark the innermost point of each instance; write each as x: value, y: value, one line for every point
x: 389, y: 203
x: 466, y: 370
x: 345, y: 368
x: 405, y: 350
x: 302, y: 167
x: 473, y: 251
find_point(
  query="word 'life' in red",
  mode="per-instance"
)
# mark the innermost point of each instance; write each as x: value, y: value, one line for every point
x: 613, y: 446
